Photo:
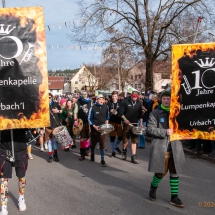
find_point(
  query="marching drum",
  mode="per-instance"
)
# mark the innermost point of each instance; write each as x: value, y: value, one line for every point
x: 63, y: 137
x: 105, y: 128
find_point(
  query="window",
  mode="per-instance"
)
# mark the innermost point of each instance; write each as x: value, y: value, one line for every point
x: 139, y: 86
x: 83, y: 82
x: 165, y: 76
x: 131, y: 77
x: 76, y: 82
x: 135, y: 86
x: 76, y: 88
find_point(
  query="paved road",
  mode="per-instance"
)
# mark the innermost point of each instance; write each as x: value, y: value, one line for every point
x: 71, y: 187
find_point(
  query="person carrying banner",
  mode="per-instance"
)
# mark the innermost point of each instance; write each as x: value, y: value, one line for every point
x: 98, y: 115
x: 115, y: 121
x: 19, y: 160
x: 131, y: 113
x: 84, y: 105
x: 164, y: 155
x: 54, y: 122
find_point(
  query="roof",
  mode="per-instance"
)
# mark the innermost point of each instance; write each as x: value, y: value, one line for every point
x: 56, y: 83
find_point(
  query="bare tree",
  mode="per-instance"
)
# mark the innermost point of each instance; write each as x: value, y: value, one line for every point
x: 146, y: 25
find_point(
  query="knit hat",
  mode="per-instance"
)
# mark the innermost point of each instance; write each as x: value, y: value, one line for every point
x: 62, y: 101
x: 165, y: 93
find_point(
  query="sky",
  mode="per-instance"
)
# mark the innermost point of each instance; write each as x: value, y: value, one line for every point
x: 61, y: 52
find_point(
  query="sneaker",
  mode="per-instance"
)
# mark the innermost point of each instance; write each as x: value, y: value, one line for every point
x: 118, y: 150
x: 42, y: 149
x: 113, y: 155
x: 124, y: 154
x: 45, y: 146
x: 50, y: 159
x: 152, y: 193
x: 92, y: 158
x: 176, y: 202
x: 103, y: 164
x: 134, y: 159
x: 5, y: 212
x: 55, y: 158
x: 30, y: 157
x: 21, y: 204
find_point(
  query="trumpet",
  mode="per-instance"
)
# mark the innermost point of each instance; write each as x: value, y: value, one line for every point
x: 28, y: 54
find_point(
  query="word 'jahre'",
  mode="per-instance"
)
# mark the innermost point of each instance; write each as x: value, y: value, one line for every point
x: 199, y: 123
x: 19, y: 82
x: 204, y: 91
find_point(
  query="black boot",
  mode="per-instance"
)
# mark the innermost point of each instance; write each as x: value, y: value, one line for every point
x: 82, y: 157
x: 92, y: 158
x: 124, y: 154
x: 134, y: 159
x: 152, y: 193
x: 55, y: 157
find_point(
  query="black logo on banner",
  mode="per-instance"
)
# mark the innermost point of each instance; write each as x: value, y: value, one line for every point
x: 20, y: 76
x: 197, y: 91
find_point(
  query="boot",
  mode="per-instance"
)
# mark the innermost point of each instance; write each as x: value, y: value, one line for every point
x: 82, y: 157
x: 152, y: 193
x: 55, y: 157
x: 134, y: 159
x: 124, y: 154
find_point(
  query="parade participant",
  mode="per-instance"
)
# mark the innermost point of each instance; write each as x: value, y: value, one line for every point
x: 84, y: 105
x: 41, y: 140
x: 54, y: 122
x: 131, y: 112
x: 164, y: 155
x: 115, y: 121
x: 63, y: 114
x: 20, y: 163
x: 72, y: 110
x: 98, y: 115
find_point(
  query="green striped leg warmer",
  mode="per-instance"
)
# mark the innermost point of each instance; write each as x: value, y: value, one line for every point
x: 155, y: 181
x: 174, y: 186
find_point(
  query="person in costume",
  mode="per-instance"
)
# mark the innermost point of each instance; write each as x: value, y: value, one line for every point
x: 20, y: 163
x: 84, y: 105
x: 164, y: 155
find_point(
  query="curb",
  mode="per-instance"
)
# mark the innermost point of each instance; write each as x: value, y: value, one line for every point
x: 197, y: 156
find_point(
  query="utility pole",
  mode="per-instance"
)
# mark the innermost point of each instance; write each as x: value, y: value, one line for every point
x: 3, y: 3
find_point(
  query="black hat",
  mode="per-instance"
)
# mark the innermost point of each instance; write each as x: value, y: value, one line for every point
x: 165, y: 93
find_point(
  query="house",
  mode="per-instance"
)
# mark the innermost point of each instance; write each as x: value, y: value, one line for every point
x: 83, y: 80
x: 56, y: 85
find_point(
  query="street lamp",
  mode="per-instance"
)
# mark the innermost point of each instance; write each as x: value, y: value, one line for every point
x: 3, y: 3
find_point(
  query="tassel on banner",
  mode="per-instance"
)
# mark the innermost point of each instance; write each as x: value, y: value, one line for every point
x: 48, y: 27
x: 65, y: 25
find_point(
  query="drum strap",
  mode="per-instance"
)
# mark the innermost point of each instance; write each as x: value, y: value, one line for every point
x: 58, y: 123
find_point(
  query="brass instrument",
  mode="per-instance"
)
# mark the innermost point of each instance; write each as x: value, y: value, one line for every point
x: 186, y: 85
x: 28, y: 54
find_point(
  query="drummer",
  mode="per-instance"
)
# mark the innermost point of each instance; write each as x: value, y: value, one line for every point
x: 55, y: 122
x: 131, y: 112
x: 115, y: 121
x: 84, y: 105
x: 98, y: 115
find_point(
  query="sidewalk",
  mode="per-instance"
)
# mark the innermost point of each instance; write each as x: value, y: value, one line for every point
x: 193, y: 154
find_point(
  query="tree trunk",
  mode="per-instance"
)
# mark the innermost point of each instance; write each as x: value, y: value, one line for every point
x: 149, y: 85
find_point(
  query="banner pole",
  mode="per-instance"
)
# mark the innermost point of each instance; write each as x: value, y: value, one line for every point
x: 12, y: 142
x: 3, y: 3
